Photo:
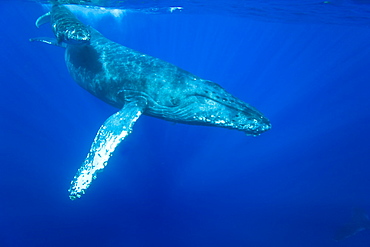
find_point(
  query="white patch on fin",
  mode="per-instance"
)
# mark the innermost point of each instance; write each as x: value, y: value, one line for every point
x: 111, y: 133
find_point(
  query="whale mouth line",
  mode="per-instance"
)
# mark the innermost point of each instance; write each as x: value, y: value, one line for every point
x: 246, y: 119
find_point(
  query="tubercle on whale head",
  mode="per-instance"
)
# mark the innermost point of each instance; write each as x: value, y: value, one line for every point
x: 262, y: 127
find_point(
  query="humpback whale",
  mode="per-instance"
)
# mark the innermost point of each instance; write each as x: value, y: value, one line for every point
x: 137, y: 84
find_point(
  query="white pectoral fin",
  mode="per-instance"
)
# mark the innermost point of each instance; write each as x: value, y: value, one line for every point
x: 111, y: 133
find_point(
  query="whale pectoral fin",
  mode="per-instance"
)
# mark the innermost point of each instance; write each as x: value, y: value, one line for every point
x: 49, y: 41
x: 43, y: 19
x: 111, y: 133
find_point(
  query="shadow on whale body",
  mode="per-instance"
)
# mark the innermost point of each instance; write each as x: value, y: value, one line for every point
x: 139, y: 84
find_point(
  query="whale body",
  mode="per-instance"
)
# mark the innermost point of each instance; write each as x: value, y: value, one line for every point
x: 137, y: 84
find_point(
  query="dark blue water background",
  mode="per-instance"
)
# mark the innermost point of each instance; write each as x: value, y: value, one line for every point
x: 179, y: 185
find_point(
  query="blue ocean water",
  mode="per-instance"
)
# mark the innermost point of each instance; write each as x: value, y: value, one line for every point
x: 181, y: 185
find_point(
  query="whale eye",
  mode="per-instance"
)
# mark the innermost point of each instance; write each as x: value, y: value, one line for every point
x: 174, y: 102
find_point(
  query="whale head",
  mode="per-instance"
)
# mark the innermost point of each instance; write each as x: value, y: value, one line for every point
x: 228, y: 114
x: 206, y: 103
x: 214, y: 106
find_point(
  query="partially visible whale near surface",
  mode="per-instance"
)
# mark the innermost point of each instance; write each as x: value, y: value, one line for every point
x: 138, y: 84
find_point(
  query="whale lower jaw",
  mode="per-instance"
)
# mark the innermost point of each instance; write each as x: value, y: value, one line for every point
x: 212, y: 113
